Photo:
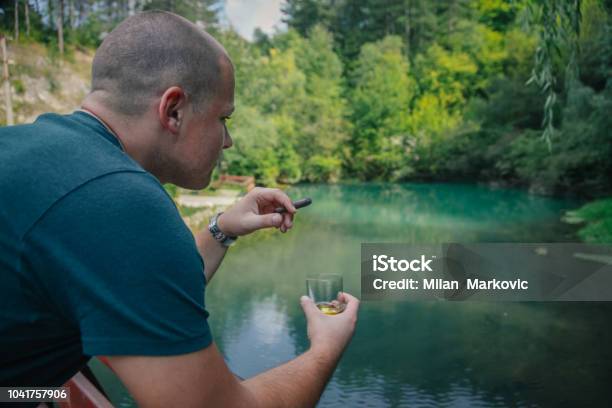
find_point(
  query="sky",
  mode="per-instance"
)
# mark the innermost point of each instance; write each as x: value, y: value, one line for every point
x: 246, y: 15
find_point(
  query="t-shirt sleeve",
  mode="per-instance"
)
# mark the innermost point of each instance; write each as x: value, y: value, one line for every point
x: 120, y: 265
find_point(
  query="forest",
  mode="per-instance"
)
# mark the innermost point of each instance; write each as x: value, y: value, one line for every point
x: 510, y: 93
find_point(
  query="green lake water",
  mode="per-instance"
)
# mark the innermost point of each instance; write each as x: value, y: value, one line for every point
x: 411, y: 354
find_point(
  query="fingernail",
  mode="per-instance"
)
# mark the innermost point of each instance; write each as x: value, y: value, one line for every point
x: 276, y: 218
x: 304, y: 298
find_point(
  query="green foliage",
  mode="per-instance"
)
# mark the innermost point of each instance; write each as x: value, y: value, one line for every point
x: 485, y: 123
x: 525, y: 158
x: 380, y: 100
x: 255, y: 146
x: 580, y: 158
x: 558, y: 27
x: 497, y: 14
x: 323, y: 169
x: 289, y: 164
x: 295, y: 85
x: 485, y: 50
x: 595, y: 45
x: 89, y: 33
x: 443, y: 77
x: 305, y: 14
x: 597, y: 217
x: 460, y: 108
x: 322, y: 123
x: 404, y: 89
x: 194, y: 10
x: 18, y: 86
x: 520, y: 47
x: 172, y: 190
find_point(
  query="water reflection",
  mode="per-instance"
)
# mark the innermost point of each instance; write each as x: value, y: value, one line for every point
x: 414, y: 354
x: 269, y: 338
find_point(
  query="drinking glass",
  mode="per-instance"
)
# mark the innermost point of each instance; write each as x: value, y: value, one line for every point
x: 323, y: 289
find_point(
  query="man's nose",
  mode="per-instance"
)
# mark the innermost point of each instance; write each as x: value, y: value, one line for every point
x: 227, y: 141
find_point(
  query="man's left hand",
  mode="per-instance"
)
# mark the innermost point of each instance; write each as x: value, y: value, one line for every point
x: 256, y: 211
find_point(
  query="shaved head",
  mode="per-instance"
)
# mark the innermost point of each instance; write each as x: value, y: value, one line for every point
x: 150, y: 52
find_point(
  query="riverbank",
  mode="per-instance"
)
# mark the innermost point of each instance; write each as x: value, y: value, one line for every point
x: 197, y: 208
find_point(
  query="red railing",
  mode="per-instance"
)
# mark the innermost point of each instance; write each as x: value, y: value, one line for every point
x: 83, y: 393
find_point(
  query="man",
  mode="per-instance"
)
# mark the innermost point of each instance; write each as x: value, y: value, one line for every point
x: 94, y: 258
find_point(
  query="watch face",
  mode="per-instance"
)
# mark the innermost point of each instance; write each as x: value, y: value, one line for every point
x: 213, y: 227
x: 218, y: 235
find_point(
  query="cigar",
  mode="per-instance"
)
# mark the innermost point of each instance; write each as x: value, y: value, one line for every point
x: 304, y: 202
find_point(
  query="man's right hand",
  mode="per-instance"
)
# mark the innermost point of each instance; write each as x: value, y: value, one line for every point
x: 202, y: 378
x: 330, y: 334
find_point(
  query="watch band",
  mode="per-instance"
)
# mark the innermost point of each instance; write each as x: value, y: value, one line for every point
x: 219, y: 235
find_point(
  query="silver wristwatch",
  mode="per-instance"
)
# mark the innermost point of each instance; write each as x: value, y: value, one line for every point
x: 219, y: 235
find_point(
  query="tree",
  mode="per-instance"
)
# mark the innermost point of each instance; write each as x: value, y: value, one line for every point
x: 322, y: 126
x: 60, y: 27
x: 303, y: 15
x: 7, y: 82
x: 16, y: 20
x: 558, y: 25
x: 381, y: 106
x: 27, y: 17
x: 203, y: 11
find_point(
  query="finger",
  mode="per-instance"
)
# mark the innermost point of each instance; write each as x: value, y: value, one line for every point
x: 254, y: 221
x: 281, y: 198
x: 308, y: 306
x: 352, y: 303
x: 287, y: 220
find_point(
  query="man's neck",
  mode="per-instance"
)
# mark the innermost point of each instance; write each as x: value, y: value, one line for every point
x: 106, y: 126
x: 135, y: 141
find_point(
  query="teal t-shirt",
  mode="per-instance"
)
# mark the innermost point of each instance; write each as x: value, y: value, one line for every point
x: 94, y: 256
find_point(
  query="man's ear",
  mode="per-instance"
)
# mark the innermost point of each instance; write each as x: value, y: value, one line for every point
x: 171, y: 108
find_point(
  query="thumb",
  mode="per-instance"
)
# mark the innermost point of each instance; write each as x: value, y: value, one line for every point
x: 266, y: 220
x: 308, y: 307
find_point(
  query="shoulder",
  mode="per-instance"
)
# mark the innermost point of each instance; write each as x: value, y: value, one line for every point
x: 118, y: 196
x: 124, y: 188
x: 45, y: 162
x: 122, y: 215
